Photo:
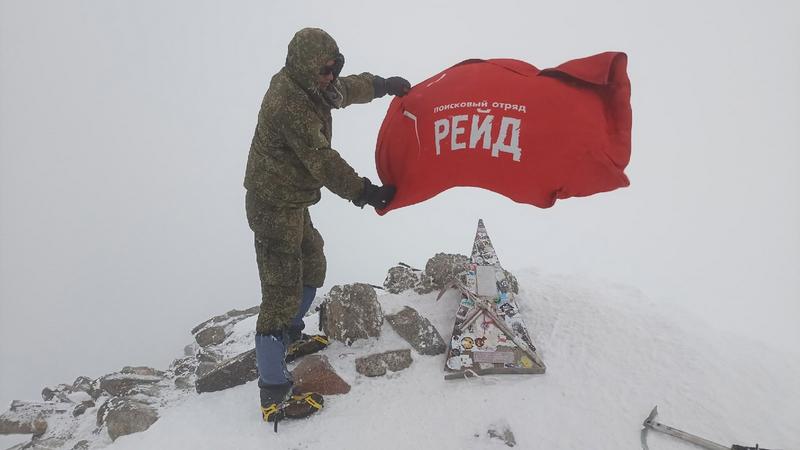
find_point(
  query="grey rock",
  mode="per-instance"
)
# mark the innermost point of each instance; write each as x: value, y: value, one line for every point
x: 402, y: 278
x: 30, y: 417
x: 211, y: 336
x: 45, y: 443
x: 204, y: 368
x: 190, y: 349
x: 375, y: 365
x: 86, y: 384
x: 238, y: 370
x: 81, y: 445
x: 502, y: 433
x: 35, y: 425
x: 142, y: 370
x: 443, y: 268
x: 184, y: 366
x: 128, y: 416
x: 123, y: 383
x: 352, y: 312
x: 418, y: 331
x: 57, y: 393
x: 230, y: 317
x: 82, y: 407
x: 208, y: 355
x: 184, y: 383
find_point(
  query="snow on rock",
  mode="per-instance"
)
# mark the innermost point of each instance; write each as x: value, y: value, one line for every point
x: 611, y: 355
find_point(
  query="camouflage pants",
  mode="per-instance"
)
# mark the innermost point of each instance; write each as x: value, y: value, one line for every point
x: 289, y: 253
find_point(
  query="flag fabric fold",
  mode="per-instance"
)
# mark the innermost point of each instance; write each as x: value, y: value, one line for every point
x: 532, y: 135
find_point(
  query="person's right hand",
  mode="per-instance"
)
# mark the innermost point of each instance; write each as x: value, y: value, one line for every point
x: 375, y: 196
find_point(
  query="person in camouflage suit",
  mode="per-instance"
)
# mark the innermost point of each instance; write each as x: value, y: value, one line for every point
x: 290, y: 160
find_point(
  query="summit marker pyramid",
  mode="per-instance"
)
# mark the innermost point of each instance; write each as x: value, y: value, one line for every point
x: 489, y: 335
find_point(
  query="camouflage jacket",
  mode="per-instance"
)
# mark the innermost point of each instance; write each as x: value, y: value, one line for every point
x: 291, y: 156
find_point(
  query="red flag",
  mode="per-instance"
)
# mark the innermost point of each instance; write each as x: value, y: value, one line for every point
x: 502, y: 124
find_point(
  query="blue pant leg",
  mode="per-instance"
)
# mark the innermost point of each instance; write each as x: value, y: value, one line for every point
x: 297, y: 324
x: 270, y: 359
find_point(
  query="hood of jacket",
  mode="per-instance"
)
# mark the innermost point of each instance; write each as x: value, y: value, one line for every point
x: 309, y: 50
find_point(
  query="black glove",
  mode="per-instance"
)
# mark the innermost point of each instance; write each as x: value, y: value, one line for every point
x: 393, y: 86
x: 375, y: 196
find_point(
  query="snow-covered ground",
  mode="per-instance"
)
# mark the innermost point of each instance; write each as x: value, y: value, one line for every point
x: 611, y: 355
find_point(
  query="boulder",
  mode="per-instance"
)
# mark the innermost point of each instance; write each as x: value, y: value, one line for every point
x: 314, y: 373
x: 127, y: 416
x: 30, y: 417
x: 204, y: 368
x: 236, y: 371
x: 123, y: 383
x: 81, y: 445
x: 56, y: 393
x: 375, y: 365
x: 184, y: 383
x: 418, y: 331
x: 352, y: 312
x: 82, y: 407
x: 402, y: 278
x: 86, y: 384
x: 210, y: 336
x: 443, y: 268
x: 9, y: 424
x: 230, y: 317
x: 184, y: 366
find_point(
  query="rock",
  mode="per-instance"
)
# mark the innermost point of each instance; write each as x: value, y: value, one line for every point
x: 128, y: 416
x: 502, y: 433
x: 210, y: 336
x: 141, y: 370
x: 352, y: 312
x: 204, y: 368
x: 122, y: 383
x: 418, y: 331
x: 443, y: 268
x: 81, y: 445
x: 81, y: 408
x: 190, y: 349
x: 314, y: 373
x: 86, y: 384
x: 35, y: 425
x: 45, y: 443
x: 233, y: 372
x: 58, y: 393
x: 402, y: 278
x: 376, y: 365
x: 228, y: 318
x: 208, y: 355
x: 30, y: 417
x: 184, y: 366
x: 184, y: 383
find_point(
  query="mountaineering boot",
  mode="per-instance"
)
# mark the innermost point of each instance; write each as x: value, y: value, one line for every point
x: 278, y: 403
x: 306, y: 345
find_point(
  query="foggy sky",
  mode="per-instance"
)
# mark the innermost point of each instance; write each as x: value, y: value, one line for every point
x: 125, y: 127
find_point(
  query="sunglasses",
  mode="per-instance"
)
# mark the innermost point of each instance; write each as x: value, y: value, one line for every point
x: 336, y: 68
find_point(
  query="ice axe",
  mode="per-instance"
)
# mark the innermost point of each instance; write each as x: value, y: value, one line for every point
x: 650, y: 422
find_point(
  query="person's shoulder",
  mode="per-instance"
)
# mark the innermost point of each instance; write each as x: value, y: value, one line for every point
x: 284, y: 95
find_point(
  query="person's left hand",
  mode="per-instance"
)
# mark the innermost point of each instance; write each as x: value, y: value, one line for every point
x: 398, y: 86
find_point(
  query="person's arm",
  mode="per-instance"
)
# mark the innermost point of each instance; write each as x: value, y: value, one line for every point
x: 357, y: 88
x: 365, y: 87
